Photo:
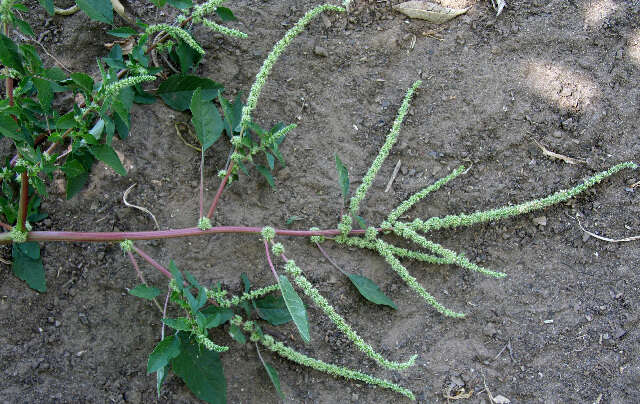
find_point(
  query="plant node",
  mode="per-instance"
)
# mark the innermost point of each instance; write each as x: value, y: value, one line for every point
x: 204, y: 223
x: 268, y: 233
x: 126, y: 245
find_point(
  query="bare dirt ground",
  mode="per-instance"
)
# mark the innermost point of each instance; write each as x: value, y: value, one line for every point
x: 562, y: 327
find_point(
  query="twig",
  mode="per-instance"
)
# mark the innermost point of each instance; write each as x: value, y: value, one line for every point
x: 566, y: 159
x: 164, y: 312
x: 182, y: 138
x: 145, y: 210
x: 219, y: 192
x: 393, y: 176
x: 610, y: 240
x: 153, y: 262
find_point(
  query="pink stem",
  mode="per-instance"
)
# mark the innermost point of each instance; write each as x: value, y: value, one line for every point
x: 201, y: 185
x: 153, y: 262
x: 332, y: 262
x: 137, y: 268
x: 219, y: 192
x: 273, y: 270
x: 163, y: 234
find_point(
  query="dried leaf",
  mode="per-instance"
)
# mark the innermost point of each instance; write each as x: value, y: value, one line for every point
x: 500, y: 399
x: 431, y: 12
x: 566, y: 159
x: 125, y: 44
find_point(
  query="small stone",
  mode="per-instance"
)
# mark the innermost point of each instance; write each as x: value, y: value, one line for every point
x: 557, y: 134
x: 540, y: 221
x: 325, y: 21
x: 320, y: 51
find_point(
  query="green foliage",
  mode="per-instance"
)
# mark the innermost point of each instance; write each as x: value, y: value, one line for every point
x: 98, y: 10
x: 370, y: 291
x: 343, y: 178
x: 145, y: 292
x: 296, y: 308
x: 177, y: 90
x: 206, y: 120
x: 27, y: 265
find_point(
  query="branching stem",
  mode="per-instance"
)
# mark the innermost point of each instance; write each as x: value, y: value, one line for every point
x: 153, y: 262
x: 219, y: 192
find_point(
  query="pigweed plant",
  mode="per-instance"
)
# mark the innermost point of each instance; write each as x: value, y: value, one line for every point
x: 37, y: 128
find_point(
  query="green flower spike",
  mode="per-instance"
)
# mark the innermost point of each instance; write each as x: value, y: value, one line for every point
x: 317, y: 239
x: 18, y: 236
x: 385, y: 252
x: 115, y: 88
x: 176, y: 33
x: 339, y: 321
x: 277, y: 249
x: 367, y: 180
x: 333, y: 370
x: 270, y: 61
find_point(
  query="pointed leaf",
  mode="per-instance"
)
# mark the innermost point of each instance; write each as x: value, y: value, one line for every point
x: 201, y: 370
x: 267, y: 174
x: 9, y: 127
x: 273, y: 375
x: 206, y: 120
x: 343, y: 178
x: 99, y: 10
x: 84, y: 81
x: 48, y: 6
x: 161, y: 374
x: 216, y: 316
x: 10, y: 55
x: 177, y: 90
x: 106, y: 154
x: 123, y: 32
x: 166, y: 350
x: 27, y: 265
x: 237, y: 334
x: 273, y: 309
x: 246, y: 282
x: 361, y: 222
x: 176, y: 275
x: 180, y: 4
x: 370, y: 290
x: 145, y: 292
x: 180, y: 323
x: 431, y: 12
x: 296, y: 308
x: 225, y: 14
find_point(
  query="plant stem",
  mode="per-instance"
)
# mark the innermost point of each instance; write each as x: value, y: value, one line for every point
x: 141, y: 277
x: 273, y: 269
x: 219, y: 192
x: 164, y: 234
x: 24, y: 201
x: 153, y: 262
x: 332, y: 262
x: 164, y: 312
x: 201, y: 185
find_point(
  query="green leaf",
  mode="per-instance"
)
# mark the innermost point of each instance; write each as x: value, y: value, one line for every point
x: 237, y: 334
x: 267, y: 174
x: 159, y: 3
x: 370, y: 290
x: 225, y: 14
x: 180, y: 4
x: 273, y: 310
x: 161, y: 374
x: 106, y: 154
x: 180, y: 323
x: 176, y: 275
x: 84, y: 81
x: 27, y: 265
x: 187, y: 56
x: 293, y: 219
x: 45, y: 92
x: 296, y: 308
x: 216, y: 316
x: 166, y: 350
x: 273, y: 375
x: 145, y: 292
x: 192, y: 280
x: 343, y: 178
x: 201, y: 370
x: 123, y: 32
x: 9, y: 127
x: 10, y: 55
x: 55, y: 74
x: 177, y: 90
x: 75, y: 184
x: 24, y: 27
x: 98, y: 10
x: 48, y: 6
x: 270, y: 160
x: 232, y: 114
x: 206, y: 120
x: 361, y: 222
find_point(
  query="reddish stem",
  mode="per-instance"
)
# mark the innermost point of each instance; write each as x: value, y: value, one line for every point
x: 136, y: 267
x: 332, y: 262
x: 219, y: 192
x: 273, y: 270
x: 163, y: 234
x: 153, y: 262
x: 201, y: 185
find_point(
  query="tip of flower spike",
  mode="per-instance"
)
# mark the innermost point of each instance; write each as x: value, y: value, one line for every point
x: 268, y: 233
x: 126, y: 245
x: 18, y: 236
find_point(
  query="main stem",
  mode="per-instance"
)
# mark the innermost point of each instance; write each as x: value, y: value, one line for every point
x: 164, y: 234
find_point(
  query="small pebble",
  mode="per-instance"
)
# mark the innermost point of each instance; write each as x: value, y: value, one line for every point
x: 320, y: 51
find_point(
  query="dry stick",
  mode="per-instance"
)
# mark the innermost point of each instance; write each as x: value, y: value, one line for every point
x: 393, y: 176
x: 610, y: 240
x: 153, y: 262
x: 330, y: 260
x: 145, y: 210
x: 273, y: 270
x: 141, y: 277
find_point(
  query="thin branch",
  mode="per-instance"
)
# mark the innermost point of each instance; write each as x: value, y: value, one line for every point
x: 610, y: 240
x: 153, y: 262
x: 330, y: 260
x: 219, y: 192
x: 273, y: 269
x: 164, y: 312
x: 141, y: 277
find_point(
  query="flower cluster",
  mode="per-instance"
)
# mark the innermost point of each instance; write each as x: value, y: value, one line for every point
x: 176, y: 33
